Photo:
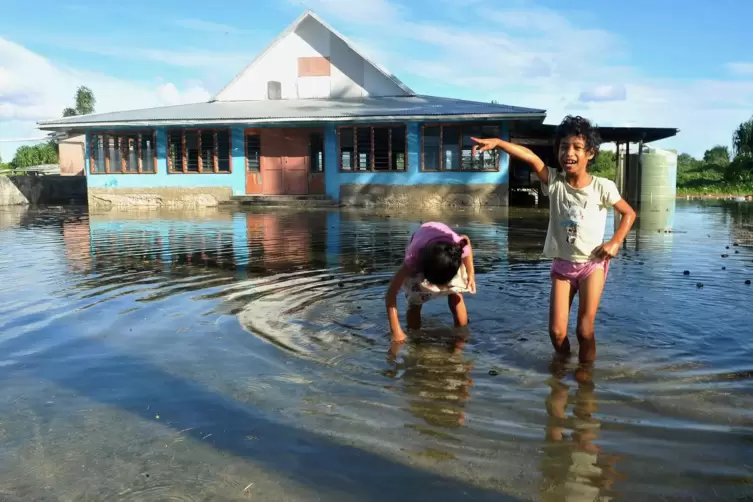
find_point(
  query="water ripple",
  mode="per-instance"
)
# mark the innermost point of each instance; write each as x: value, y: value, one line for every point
x: 283, y: 313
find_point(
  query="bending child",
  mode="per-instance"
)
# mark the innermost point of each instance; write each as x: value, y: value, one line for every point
x: 578, y: 203
x: 438, y: 262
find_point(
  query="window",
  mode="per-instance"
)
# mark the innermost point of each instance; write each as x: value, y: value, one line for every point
x: 449, y: 148
x: 199, y: 151
x: 313, y: 67
x: 373, y: 148
x: 253, y: 153
x: 123, y: 153
x: 316, y: 144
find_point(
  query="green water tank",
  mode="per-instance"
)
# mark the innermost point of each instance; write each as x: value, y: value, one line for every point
x: 651, y: 186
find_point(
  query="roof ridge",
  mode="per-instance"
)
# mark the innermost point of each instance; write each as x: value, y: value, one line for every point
x: 308, y: 13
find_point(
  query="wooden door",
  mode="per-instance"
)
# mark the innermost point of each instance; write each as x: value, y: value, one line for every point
x: 252, y: 139
x: 296, y: 162
x: 272, y: 162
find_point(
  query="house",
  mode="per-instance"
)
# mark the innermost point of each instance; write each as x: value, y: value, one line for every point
x: 310, y: 116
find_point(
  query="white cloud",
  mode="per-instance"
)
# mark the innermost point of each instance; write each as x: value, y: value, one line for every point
x: 32, y: 88
x: 523, y: 54
x: 604, y: 93
x: 740, y: 68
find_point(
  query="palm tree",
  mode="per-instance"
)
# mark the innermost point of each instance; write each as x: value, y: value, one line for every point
x: 85, y: 102
x: 742, y: 139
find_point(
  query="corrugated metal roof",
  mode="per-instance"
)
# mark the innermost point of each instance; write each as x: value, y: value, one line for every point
x: 300, y: 110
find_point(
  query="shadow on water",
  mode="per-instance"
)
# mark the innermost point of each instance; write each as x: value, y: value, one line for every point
x: 302, y: 456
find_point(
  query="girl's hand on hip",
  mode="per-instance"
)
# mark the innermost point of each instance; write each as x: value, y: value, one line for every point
x: 607, y: 250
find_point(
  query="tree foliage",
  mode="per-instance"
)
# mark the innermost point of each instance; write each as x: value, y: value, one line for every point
x: 605, y: 164
x: 742, y: 138
x: 717, y: 156
x: 27, y: 156
x: 84, y: 101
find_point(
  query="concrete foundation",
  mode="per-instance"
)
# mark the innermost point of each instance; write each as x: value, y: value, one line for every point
x: 45, y: 190
x: 425, y: 196
x: 172, y: 197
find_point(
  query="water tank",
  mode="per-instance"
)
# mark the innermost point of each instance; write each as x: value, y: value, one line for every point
x: 651, y: 187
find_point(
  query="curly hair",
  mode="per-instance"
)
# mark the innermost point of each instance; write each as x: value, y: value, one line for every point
x: 578, y: 126
x: 440, y: 261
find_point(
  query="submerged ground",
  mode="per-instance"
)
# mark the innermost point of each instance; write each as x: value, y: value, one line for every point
x: 221, y: 355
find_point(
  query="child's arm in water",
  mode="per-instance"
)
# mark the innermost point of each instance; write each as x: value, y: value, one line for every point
x: 398, y: 335
x: 518, y: 151
x: 468, y: 262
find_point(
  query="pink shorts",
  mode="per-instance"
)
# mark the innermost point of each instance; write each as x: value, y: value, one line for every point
x: 574, y: 272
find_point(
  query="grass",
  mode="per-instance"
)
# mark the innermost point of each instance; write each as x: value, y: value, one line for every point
x: 710, y: 182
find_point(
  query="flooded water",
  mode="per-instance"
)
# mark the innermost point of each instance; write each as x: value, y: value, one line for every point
x: 219, y: 355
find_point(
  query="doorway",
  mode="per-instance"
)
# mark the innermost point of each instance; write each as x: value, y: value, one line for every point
x: 284, y: 161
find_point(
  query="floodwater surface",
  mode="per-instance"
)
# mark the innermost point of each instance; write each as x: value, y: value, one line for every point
x: 221, y: 355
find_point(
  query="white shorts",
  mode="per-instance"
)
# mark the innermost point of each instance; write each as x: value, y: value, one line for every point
x: 419, y: 291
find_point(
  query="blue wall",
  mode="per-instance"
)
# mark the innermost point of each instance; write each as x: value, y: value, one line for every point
x: 333, y: 177
x: 235, y: 180
x: 413, y: 175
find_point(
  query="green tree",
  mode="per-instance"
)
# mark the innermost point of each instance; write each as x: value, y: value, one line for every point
x: 85, y: 103
x: 742, y: 138
x: 605, y: 165
x: 717, y: 156
x: 27, y: 156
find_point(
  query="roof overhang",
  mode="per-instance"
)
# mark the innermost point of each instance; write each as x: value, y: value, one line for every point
x: 51, y: 126
x: 540, y: 133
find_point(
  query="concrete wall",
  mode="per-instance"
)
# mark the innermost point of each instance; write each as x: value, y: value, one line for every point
x: 71, y: 154
x: 350, y: 75
x: 43, y: 190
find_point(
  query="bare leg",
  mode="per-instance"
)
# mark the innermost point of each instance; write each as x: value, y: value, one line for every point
x: 457, y: 307
x: 590, y: 296
x: 560, y: 301
x: 414, y: 317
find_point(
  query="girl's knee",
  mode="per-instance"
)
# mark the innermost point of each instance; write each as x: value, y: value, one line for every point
x: 557, y: 334
x: 585, y: 328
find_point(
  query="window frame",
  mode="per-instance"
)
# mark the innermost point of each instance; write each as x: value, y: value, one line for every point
x: 246, y: 134
x: 324, y: 153
x: 440, y: 168
x: 184, y: 159
x: 371, y: 128
x: 122, y: 147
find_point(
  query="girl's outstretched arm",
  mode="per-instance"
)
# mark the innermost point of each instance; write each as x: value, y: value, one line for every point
x: 518, y: 151
x: 398, y: 335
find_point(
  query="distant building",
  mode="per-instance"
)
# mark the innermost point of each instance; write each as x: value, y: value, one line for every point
x: 309, y: 116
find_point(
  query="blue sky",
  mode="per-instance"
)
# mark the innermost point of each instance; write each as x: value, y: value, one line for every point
x: 674, y: 63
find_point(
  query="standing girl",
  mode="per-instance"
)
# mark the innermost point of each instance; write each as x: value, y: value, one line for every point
x: 438, y: 262
x: 578, y: 203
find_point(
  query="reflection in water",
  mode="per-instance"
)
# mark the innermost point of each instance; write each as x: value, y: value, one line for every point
x: 435, y: 376
x: 573, y: 466
x: 108, y: 321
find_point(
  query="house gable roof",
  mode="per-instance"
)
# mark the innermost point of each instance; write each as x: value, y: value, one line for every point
x: 353, y: 110
x: 310, y: 15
